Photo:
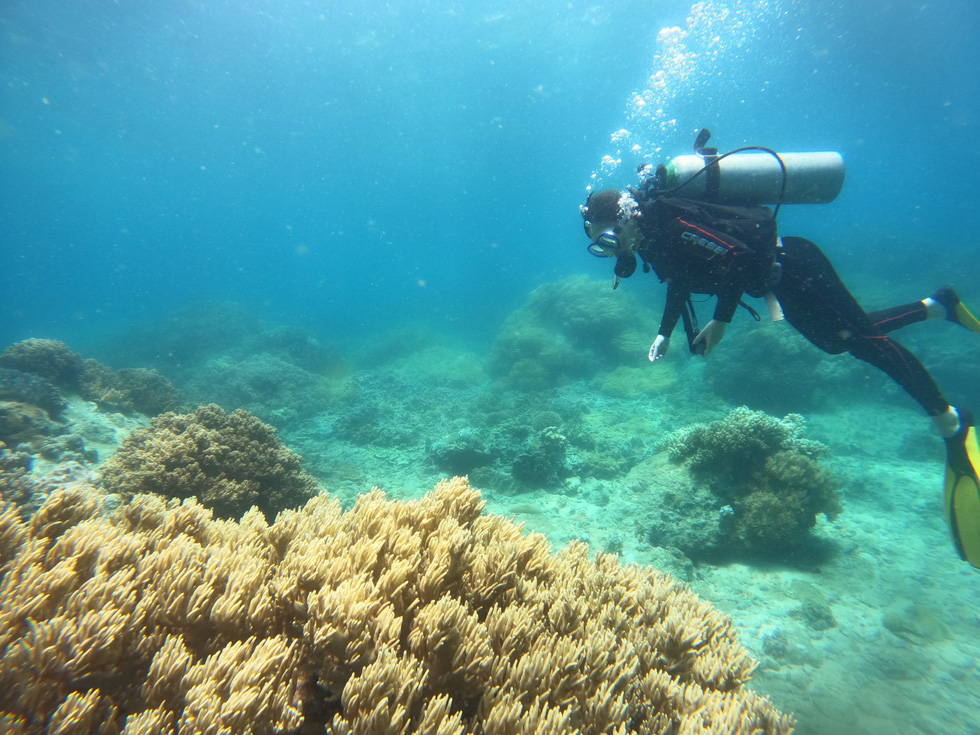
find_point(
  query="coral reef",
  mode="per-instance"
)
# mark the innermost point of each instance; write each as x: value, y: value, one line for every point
x: 531, y: 358
x: 461, y: 451
x: 765, y: 487
x: 229, y: 461
x: 17, y: 485
x: 273, y: 389
x: 568, y: 330
x: 636, y: 382
x: 531, y: 458
x: 186, y: 339
x: 396, y: 617
x: 544, y: 462
x: 21, y: 423
x: 220, y: 353
x: 68, y: 447
x: 779, y: 372
x: 301, y: 348
x: 30, y: 370
x: 128, y: 389
x: 381, y: 410
x: 514, y: 441
x: 17, y: 386
x: 47, y: 358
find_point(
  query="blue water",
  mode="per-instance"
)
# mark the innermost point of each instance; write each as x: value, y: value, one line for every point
x: 353, y: 168
x: 350, y: 168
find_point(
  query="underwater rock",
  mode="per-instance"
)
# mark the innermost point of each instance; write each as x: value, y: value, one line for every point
x: 17, y: 483
x: 65, y: 448
x: 672, y: 511
x: 816, y: 614
x: 276, y: 391
x: 767, y: 375
x: 23, y: 423
x: 633, y: 383
x: 301, y: 348
x: 567, y: 330
x: 461, y: 452
x: 542, y: 463
x: 915, y: 623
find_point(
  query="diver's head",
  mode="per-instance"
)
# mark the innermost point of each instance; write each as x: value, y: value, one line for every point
x: 612, y: 224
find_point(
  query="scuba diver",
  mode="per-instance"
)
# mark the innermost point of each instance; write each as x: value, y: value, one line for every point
x: 704, y: 247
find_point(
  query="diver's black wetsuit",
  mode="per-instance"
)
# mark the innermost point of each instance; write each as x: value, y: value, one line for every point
x: 813, y: 298
x: 817, y: 303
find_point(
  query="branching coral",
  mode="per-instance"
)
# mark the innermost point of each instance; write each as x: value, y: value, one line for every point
x: 395, y: 617
x: 229, y: 461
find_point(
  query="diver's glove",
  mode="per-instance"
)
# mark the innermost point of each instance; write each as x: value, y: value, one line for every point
x: 711, y: 335
x: 659, y: 347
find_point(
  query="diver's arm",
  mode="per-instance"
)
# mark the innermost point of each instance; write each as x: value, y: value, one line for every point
x: 728, y: 298
x: 673, y: 309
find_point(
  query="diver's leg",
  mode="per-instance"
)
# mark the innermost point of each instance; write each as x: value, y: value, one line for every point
x: 819, y: 306
x: 944, y: 304
x: 815, y: 300
x: 905, y: 369
x: 817, y: 303
x: 886, y: 320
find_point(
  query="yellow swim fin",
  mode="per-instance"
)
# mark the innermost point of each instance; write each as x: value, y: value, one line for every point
x: 962, y: 497
x: 955, y: 311
x: 965, y: 318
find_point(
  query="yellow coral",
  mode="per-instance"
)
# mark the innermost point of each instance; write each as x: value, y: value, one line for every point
x: 229, y: 461
x: 395, y: 617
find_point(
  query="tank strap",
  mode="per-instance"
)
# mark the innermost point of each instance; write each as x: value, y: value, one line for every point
x: 712, y: 174
x: 775, y: 310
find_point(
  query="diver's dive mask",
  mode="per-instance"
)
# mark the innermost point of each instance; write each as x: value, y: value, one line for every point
x: 607, y: 245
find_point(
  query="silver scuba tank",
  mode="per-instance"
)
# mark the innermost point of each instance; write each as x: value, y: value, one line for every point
x: 755, y: 178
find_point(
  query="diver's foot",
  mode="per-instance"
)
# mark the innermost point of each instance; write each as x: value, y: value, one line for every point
x: 964, y: 422
x: 955, y: 311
